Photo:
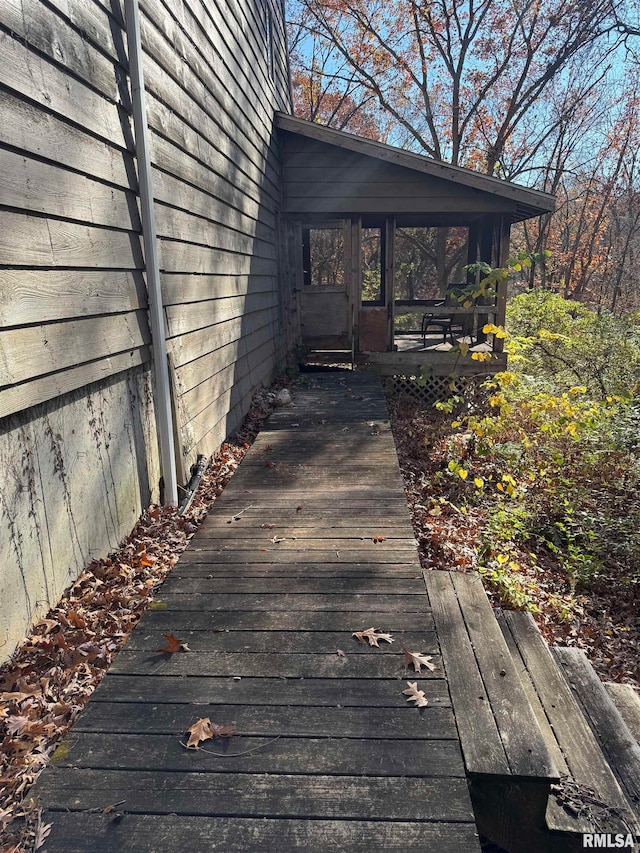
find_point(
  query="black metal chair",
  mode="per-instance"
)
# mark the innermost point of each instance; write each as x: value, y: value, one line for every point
x: 446, y: 323
x: 440, y: 322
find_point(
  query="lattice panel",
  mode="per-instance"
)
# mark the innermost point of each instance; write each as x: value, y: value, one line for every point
x: 437, y: 388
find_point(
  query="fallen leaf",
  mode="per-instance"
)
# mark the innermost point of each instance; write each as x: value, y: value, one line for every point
x: 42, y: 831
x: 267, y: 526
x: 298, y: 508
x: 415, y: 695
x: 222, y: 731
x: 16, y: 724
x: 276, y: 539
x: 76, y: 619
x: 341, y: 654
x: 372, y: 636
x: 199, y: 731
x: 173, y: 645
x: 378, y: 538
x: 49, y: 624
x: 417, y: 660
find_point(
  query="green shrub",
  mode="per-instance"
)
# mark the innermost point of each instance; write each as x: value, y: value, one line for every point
x: 558, y: 343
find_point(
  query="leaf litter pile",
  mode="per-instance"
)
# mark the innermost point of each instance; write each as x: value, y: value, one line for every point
x: 450, y: 488
x: 54, y: 671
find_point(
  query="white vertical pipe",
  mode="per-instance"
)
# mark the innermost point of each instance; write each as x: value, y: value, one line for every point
x: 164, y: 418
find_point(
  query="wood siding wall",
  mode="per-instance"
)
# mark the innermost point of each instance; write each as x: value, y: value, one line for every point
x: 325, y: 179
x: 72, y: 288
x: 71, y: 281
x: 212, y: 96
x: 72, y: 293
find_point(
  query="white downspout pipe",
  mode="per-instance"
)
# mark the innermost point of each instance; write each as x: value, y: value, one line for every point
x: 164, y: 420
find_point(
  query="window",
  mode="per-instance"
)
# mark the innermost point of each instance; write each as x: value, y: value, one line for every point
x: 428, y: 260
x: 373, y: 263
x: 323, y: 256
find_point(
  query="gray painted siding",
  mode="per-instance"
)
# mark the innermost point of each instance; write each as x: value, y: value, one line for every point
x: 75, y: 380
x: 324, y: 179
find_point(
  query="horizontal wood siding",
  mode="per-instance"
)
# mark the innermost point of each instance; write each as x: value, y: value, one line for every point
x: 76, y: 391
x: 217, y: 182
x: 72, y: 287
x: 325, y: 179
x: 72, y: 295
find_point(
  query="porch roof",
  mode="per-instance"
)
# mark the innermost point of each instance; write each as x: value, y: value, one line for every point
x: 518, y: 202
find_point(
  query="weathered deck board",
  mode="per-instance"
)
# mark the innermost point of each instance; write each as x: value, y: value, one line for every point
x: 586, y: 763
x: 330, y: 586
x: 266, y: 795
x: 290, y: 693
x: 326, y: 755
x: 627, y: 702
x: 264, y: 621
x: 290, y: 620
x: 177, y: 833
x: 434, y: 723
x: 268, y: 665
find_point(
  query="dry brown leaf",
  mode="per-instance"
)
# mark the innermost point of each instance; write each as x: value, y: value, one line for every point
x: 15, y: 724
x: 203, y: 729
x: 16, y: 696
x: 42, y: 831
x: 49, y: 625
x: 222, y: 731
x: 199, y: 731
x: 379, y: 539
x: 417, y: 660
x: 415, y: 695
x: 76, y: 619
x: 372, y: 636
x: 173, y: 645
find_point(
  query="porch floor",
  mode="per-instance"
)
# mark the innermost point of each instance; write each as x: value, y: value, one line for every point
x: 328, y: 755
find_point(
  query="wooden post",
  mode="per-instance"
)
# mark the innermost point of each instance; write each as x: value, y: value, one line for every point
x: 355, y: 280
x: 502, y: 248
x: 389, y: 275
x: 472, y: 248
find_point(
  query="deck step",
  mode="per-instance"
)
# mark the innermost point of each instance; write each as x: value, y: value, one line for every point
x: 582, y: 757
x: 607, y: 723
x: 627, y: 701
x: 498, y: 730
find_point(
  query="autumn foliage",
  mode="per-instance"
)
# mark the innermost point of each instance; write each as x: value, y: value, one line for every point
x: 542, y: 93
x: 538, y: 489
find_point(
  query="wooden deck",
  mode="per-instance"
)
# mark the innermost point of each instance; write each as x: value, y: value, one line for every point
x: 329, y: 755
